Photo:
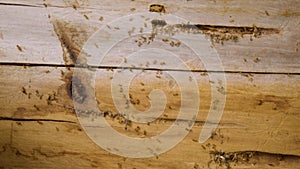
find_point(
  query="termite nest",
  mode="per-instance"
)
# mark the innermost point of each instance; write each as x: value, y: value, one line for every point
x: 227, y: 159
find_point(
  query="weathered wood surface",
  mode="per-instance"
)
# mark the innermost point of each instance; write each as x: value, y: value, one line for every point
x: 39, y: 128
x: 273, y: 57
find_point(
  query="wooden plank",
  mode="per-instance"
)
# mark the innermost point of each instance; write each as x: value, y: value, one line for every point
x: 270, y: 107
x: 279, y: 51
x: 39, y: 145
x: 266, y: 14
x: 267, y: 117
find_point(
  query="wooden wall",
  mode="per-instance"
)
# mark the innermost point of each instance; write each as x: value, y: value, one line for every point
x: 260, y: 124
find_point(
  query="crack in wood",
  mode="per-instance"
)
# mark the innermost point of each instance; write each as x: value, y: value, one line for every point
x: 121, y: 119
x: 36, y: 120
x: 16, y: 4
x: 139, y: 68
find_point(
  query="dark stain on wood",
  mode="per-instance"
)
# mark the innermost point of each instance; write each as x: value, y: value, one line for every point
x: 157, y: 22
x: 72, y: 37
x: 217, y: 33
x: 76, y: 90
x: 278, y: 102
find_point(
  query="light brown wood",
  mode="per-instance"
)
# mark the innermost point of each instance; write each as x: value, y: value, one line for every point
x: 260, y: 124
x: 257, y: 114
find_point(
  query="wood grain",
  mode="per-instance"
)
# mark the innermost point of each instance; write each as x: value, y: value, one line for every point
x: 278, y: 51
x: 265, y: 116
x: 41, y: 40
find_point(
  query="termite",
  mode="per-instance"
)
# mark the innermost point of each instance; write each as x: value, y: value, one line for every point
x: 165, y: 40
x: 37, y: 108
x: 144, y: 38
x: 139, y: 44
x: 177, y: 44
x: 24, y: 90
x: 172, y: 43
x: 137, y: 129
x: 256, y: 60
x: 86, y: 17
x: 29, y: 95
x: 19, y: 48
x: 267, y: 13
